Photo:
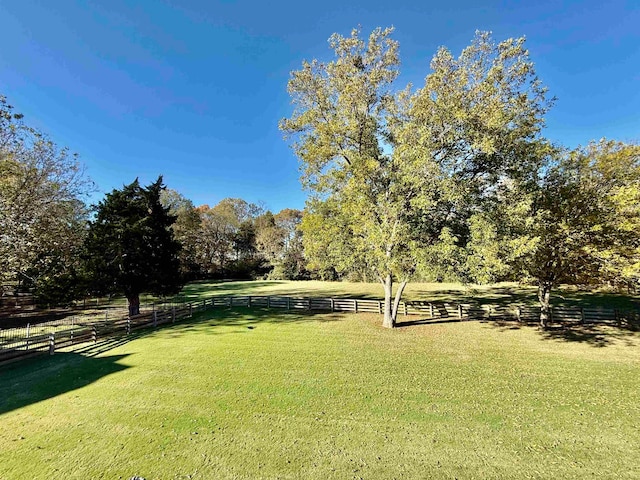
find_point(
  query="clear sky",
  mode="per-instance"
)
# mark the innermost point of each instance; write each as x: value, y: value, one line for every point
x: 194, y: 89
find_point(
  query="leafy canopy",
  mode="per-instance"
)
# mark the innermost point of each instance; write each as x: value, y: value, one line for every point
x: 130, y: 246
x: 394, y: 172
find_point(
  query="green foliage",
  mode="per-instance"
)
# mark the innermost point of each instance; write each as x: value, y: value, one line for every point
x: 244, y: 241
x: 186, y: 230
x: 584, y: 216
x: 42, y: 212
x: 227, y: 239
x: 130, y: 246
x: 577, y: 223
x: 614, y: 179
x: 396, y: 173
x: 61, y: 284
x: 281, y: 243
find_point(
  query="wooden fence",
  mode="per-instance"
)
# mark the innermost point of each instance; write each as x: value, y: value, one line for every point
x: 33, y: 340
x: 20, y: 343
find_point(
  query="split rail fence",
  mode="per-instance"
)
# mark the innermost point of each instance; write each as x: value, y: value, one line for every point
x: 39, y: 339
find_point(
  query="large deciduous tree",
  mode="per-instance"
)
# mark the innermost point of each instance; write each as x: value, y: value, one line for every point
x: 42, y: 214
x: 279, y: 241
x: 130, y: 247
x: 187, y: 230
x: 577, y: 224
x: 395, y: 172
x: 227, y: 236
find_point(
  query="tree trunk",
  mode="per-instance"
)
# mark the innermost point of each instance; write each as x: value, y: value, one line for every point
x: 544, y: 295
x: 396, y: 303
x: 134, y: 304
x: 389, y: 320
x: 391, y: 305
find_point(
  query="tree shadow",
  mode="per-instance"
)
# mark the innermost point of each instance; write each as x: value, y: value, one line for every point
x: 245, y: 318
x: 593, y: 334
x: 584, y: 298
x: 427, y: 321
x: 43, y: 378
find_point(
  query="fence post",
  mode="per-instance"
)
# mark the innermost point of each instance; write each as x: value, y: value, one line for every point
x: 288, y: 303
x: 173, y: 314
x: 94, y: 334
x: 355, y: 305
x: 190, y: 310
x: 581, y: 314
x: 52, y: 343
x: 460, y: 311
x: 128, y: 325
x: 309, y: 305
x: 268, y: 302
x: 155, y: 318
x: 28, y: 330
x: 332, y: 305
x: 405, y: 308
x: 430, y: 310
x: 379, y: 307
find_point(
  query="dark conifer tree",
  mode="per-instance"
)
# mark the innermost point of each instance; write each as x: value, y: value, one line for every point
x: 130, y: 247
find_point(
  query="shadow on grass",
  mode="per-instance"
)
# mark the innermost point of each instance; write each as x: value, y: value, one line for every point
x: 596, y: 335
x: 499, y: 294
x: 523, y: 295
x: 246, y: 319
x: 426, y: 321
x: 43, y: 378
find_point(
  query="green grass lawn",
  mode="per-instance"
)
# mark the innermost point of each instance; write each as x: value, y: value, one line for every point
x: 499, y: 293
x: 326, y: 396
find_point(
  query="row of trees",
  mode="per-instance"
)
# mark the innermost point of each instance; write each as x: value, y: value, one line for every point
x: 236, y: 239
x: 138, y: 239
x: 151, y: 239
x: 455, y: 179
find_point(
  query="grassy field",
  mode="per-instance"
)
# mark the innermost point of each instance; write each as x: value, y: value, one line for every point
x: 499, y: 293
x: 258, y: 394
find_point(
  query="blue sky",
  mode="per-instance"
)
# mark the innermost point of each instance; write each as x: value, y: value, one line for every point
x: 194, y: 89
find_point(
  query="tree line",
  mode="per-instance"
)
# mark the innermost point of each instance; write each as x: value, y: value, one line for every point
x: 236, y: 239
x: 137, y: 239
x: 453, y: 180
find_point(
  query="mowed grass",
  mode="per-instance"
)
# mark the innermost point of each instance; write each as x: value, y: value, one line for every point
x: 498, y: 293
x: 260, y: 394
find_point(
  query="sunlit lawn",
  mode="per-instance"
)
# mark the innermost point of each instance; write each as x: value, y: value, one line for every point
x: 326, y: 396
